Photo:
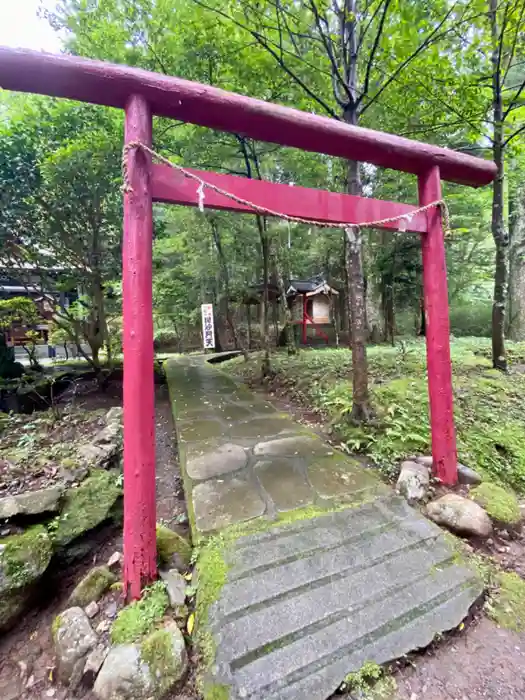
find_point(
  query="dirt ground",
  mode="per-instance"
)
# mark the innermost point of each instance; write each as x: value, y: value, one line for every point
x: 27, y: 664
x: 482, y: 663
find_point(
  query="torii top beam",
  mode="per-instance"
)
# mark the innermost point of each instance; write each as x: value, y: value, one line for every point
x: 112, y: 85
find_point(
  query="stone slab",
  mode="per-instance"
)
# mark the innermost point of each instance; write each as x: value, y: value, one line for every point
x: 285, y: 483
x: 336, y: 476
x: 219, y: 503
x: 292, y: 625
x: 222, y: 459
x: 293, y: 446
x: 263, y: 427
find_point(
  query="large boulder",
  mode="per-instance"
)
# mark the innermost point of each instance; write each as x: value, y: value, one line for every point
x: 73, y: 638
x: 414, y: 481
x: 461, y: 515
x: 23, y: 560
x: 146, y: 670
x: 87, y: 506
x: 32, y: 502
x: 91, y: 588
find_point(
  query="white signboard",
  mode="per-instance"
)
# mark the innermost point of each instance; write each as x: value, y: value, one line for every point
x: 208, y: 330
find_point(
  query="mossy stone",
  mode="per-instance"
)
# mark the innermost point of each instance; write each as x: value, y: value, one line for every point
x: 140, y: 618
x: 165, y: 654
x: 94, y: 584
x: 501, y: 505
x: 87, y: 506
x: 508, y: 606
x: 170, y: 544
x: 23, y: 560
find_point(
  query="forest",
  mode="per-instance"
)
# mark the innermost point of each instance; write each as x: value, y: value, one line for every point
x: 448, y: 73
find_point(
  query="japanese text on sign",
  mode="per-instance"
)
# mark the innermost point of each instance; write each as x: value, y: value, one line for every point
x: 208, y: 331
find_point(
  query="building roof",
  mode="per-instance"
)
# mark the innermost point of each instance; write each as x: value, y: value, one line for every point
x: 313, y: 286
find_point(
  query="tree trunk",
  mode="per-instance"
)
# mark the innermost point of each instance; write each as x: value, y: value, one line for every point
x: 355, y: 291
x: 285, y: 308
x: 499, y: 232
x: 355, y: 294
x: 360, y: 399
x: 226, y: 280
x: 516, y: 298
x: 263, y: 234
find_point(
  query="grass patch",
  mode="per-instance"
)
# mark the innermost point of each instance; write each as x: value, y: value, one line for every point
x: 489, y: 418
x: 500, y: 504
x: 507, y: 607
x: 139, y: 618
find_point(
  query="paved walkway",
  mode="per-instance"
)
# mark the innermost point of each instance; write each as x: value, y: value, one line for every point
x: 358, y: 576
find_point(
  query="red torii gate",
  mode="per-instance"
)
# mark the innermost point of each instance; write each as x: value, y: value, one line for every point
x: 143, y: 94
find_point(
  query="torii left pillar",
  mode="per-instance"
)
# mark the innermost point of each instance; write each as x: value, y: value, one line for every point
x: 140, y: 566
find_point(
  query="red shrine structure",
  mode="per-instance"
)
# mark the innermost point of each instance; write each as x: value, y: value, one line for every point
x: 142, y: 94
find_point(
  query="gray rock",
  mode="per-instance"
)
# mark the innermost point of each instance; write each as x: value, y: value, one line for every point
x: 425, y: 460
x: 93, y: 664
x: 115, y: 560
x: 92, y: 609
x: 175, y: 585
x: 466, y: 475
x: 134, y: 672
x: 460, y: 515
x: 115, y: 415
x: 73, y: 639
x: 123, y: 676
x: 413, y: 482
x: 103, y: 627
x: 32, y: 502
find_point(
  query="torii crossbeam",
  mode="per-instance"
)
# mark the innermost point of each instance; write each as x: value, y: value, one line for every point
x: 143, y: 94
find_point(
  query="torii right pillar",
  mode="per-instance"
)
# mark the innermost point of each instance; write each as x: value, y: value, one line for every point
x: 439, y: 367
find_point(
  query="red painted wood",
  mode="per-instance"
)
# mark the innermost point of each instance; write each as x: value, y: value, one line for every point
x: 112, y: 85
x: 171, y: 186
x: 140, y: 566
x: 439, y: 366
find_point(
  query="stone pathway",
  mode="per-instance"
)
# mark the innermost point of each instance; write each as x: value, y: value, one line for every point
x: 350, y: 574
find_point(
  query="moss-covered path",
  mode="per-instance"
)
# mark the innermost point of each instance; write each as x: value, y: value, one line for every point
x: 309, y: 566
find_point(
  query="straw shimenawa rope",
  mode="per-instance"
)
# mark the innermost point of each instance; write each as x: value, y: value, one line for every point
x: 441, y: 204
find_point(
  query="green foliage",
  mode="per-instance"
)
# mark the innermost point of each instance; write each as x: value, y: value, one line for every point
x: 140, y: 617
x: 471, y: 318
x: 488, y: 404
x: 507, y: 606
x: 500, y: 504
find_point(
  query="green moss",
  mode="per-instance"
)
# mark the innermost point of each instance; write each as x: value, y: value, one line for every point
x: 507, y: 607
x: 87, y: 506
x: 25, y: 557
x: 215, y: 691
x: 367, y: 676
x: 57, y: 623
x: 500, y: 504
x: 92, y: 586
x: 139, y: 618
x: 170, y: 543
x: 157, y: 651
